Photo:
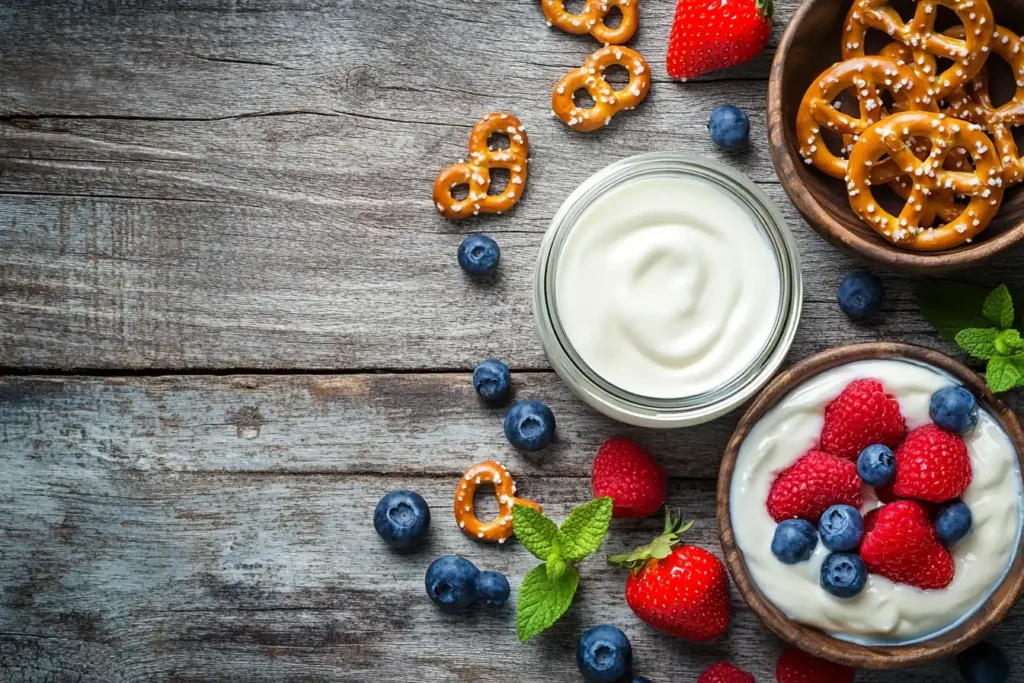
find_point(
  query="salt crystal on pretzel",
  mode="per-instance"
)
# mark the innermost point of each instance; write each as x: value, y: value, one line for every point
x: 607, y: 101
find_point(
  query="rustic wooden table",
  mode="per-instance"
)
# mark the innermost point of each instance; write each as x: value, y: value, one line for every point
x: 230, y: 319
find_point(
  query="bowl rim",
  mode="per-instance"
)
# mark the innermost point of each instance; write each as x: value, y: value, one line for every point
x: 875, y: 251
x: 810, y: 639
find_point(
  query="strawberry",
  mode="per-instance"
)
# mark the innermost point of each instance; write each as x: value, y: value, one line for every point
x: 933, y: 465
x: 812, y: 485
x: 714, y: 35
x: 796, y: 666
x: 902, y: 547
x: 626, y: 473
x: 725, y: 673
x: 862, y: 415
x: 682, y: 590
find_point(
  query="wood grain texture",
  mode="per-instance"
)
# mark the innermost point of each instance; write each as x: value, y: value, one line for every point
x: 180, y: 530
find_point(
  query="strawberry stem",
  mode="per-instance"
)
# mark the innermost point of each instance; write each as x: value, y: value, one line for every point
x: 658, y: 549
x: 766, y: 8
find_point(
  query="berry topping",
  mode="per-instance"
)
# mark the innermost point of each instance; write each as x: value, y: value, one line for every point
x: 478, y: 255
x: 725, y: 673
x: 860, y: 295
x: 626, y: 473
x: 844, y: 575
x: 953, y: 523
x: 841, y: 528
x: 796, y: 666
x: 932, y: 465
x: 729, y: 127
x: 451, y: 583
x: 707, y: 36
x: 903, y: 548
x: 812, y: 485
x: 492, y: 588
x: 530, y: 426
x: 954, y: 409
x: 862, y: 415
x: 491, y: 380
x: 877, y: 465
x: 794, y: 541
x: 983, y: 663
x: 401, y: 518
x: 603, y: 654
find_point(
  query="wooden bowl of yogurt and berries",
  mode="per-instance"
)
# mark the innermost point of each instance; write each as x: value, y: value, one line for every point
x: 914, y: 566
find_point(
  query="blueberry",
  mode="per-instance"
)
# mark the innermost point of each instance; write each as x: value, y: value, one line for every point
x: 730, y: 127
x: 478, y: 255
x: 795, y: 540
x: 843, y: 574
x: 953, y: 523
x: 401, y: 518
x: 983, y: 663
x: 492, y: 588
x: 604, y: 654
x: 954, y: 409
x: 491, y: 380
x: 860, y: 295
x: 841, y: 528
x: 530, y: 426
x: 451, y: 583
x: 876, y: 465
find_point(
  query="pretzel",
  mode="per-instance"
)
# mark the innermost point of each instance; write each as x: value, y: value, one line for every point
x: 942, y: 204
x: 476, y: 173
x: 866, y: 75
x: 591, y: 19
x: 500, y: 529
x: 968, y: 53
x: 607, y: 101
x: 983, y: 185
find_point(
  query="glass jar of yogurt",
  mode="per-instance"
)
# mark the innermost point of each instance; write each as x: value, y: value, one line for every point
x: 668, y: 290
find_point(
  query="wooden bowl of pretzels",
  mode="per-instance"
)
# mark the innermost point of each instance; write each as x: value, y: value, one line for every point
x: 897, y: 128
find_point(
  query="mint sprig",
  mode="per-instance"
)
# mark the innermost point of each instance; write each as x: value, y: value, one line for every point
x: 982, y: 324
x: 548, y: 589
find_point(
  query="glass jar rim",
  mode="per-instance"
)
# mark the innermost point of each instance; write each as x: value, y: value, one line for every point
x: 658, y: 412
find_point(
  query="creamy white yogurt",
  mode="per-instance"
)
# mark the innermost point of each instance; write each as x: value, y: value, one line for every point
x: 884, y: 612
x: 666, y: 287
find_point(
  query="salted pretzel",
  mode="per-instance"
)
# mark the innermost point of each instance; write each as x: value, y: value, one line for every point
x: 476, y: 172
x: 592, y: 19
x: 968, y: 53
x: 607, y: 101
x: 889, y: 138
x: 499, y: 529
x: 865, y: 75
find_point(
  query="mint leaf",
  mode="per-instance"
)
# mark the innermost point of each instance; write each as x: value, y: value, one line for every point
x: 980, y: 343
x: 1005, y: 373
x: 584, y: 529
x: 543, y: 600
x: 556, y: 566
x: 1009, y: 343
x: 952, y: 306
x: 537, y: 533
x: 998, y: 307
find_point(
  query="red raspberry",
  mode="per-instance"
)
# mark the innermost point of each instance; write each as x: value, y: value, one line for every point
x: 862, y: 415
x: 932, y: 465
x: 796, y: 666
x: 628, y: 474
x: 725, y: 673
x: 901, y: 546
x: 812, y: 485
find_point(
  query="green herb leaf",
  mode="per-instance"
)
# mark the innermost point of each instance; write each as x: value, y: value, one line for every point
x: 998, y: 307
x: 537, y: 533
x: 556, y: 566
x: 980, y: 343
x: 952, y: 306
x: 584, y: 529
x: 543, y: 600
x: 1005, y: 373
x: 1009, y: 343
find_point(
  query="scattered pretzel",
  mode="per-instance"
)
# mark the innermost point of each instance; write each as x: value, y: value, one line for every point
x: 591, y: 19
x: 983, y: 185
x: 476, y: 173
x: 968, y: 53
x: 500, y: 529
x: 607, y: 101
x: 1000, y: 121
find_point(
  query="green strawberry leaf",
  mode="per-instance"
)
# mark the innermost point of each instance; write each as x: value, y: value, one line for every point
x: 1005, y: 372
x: 980, y: 343
x: 1008, y: 343
x: 556, y: 566
x: 537, y: 533
x: 658, y: 549
x: 998, y: 307
x: 543, y: 600
x: 952, y: 306
x: 584, y: 529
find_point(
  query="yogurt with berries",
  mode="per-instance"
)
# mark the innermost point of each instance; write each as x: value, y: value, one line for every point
x: 883, y: 612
